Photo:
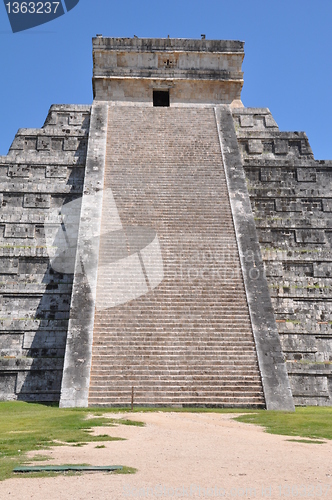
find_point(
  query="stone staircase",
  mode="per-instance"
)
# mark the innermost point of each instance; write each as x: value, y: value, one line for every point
x: 188, y: 341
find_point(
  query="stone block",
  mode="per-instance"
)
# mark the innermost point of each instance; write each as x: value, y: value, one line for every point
x: 286, y: 205
x: 327, y: 204
x: 279, y: 236
x: 309, y: 236
x: 34, y: 381
x: 270, y: 174
x: 322, y: 269
x: 44, y: 340
x: 324, y: 345
x: 283, y: 306
x: 246, y: 120
x: 306, y: 174
x: 255, y: 146
x: 19, y: 171
x: 305, y: 385
x: 298, y: 343
x: 295, y: 148
x: 7, y: 386
x: 12, y: 201
x: 305, y: 206
x: 3, y: 171
x: 19, y: 231
x: 56, y: 144
x: 30, y: 143
x: 56, y: 171
x: 18, y: 143
x: 70, y: 144
x: 258, y: 122
x: 51, y: 119
x: 36, y: 201
x: 328, y: 235
x: 8, y: 266
x: 270, y: 122
x: 33, y: 266
x: 281, y: 146
x: 25, y: 307
x: 310, y: 205
x: 75, y: 119
x: 44, y: 143
x: 263, y: 206
x: 11, y: 344
x: 298, y: 269
x: 273, y: 268
x: 305, y: 148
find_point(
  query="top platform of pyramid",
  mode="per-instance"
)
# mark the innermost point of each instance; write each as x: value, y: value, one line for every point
x: 192, y: 71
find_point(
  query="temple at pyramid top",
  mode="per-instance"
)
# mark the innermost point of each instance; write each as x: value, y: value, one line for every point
x: 167, y: 71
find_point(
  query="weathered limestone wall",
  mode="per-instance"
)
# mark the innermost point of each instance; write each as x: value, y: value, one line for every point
x: 291, y: 198
x: 194, y: 71
x: 77, y: 362
x: 181, y: 91
x: 43, y: 170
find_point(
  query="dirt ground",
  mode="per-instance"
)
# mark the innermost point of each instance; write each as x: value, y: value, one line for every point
x: 186, y: 455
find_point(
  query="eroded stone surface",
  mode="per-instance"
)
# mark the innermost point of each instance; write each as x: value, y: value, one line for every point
x: 39, y: 175
x: 290, y: 198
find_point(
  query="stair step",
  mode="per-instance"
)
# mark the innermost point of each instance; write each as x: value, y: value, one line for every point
x: 173, y: 399
x: 179, y: 371
x: 176, y: 392
x: 159, y: 385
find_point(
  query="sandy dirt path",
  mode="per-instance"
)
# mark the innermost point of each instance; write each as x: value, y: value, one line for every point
x: 187, y: 455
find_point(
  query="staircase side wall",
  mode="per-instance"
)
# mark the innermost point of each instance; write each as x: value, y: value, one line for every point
x: 43, y: 170
x: 271, y: 362
x: 77, y: 363
x: 290, y: 194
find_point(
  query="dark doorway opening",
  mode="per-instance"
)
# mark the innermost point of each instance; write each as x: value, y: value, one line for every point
x: 161, y: 97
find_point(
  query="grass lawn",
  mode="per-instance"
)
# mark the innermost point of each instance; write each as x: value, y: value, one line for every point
x: 314, y: 422
x: 25, y: 427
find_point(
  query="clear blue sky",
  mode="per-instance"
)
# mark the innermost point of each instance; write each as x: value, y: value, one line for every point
x: 287, y: 66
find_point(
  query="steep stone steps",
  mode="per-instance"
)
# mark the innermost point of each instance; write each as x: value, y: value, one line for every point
x: 188, y: 341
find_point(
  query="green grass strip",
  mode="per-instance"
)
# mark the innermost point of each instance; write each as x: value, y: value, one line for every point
x: 314, y: 422
x: 28, y: 427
